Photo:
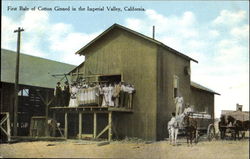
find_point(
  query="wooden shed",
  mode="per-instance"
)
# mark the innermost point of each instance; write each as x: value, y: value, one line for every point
x: 36, y: 84
x: 202, y: 98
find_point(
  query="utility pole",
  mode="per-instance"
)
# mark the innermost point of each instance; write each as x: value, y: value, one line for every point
x: 153, y: 36
x: 19, y: 30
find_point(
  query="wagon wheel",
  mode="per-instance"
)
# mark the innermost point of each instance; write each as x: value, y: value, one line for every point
x: 210, y: 132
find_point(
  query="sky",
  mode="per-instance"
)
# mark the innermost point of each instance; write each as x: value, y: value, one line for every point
x: 216, y: 33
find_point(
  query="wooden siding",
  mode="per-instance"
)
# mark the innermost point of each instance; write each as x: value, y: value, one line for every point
x: 202, y: 100
x: 28, y: 106
x: 169, y: 65
x: 135, y: 58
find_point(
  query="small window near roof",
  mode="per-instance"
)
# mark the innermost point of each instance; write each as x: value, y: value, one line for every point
x: 175, y: 86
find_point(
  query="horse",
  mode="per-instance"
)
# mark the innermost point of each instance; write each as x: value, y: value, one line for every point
x: 190, y: 125
x: 222, y: 126
x: 238, y: 126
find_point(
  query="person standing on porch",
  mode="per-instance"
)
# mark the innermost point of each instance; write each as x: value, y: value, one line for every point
x: 110, y: 94
x: 73, y: 96
x: 116, y: 94
x: 131, y: 90
x: 66, y: 94
x: 58, y: 94
x: 105, y: 91
x: 122, y: 95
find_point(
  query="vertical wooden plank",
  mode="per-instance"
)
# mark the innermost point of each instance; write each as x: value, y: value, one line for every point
x: 110, y: 126
x: 8, y: 126
x: 66, y: 125
x: 95, y: 125
x: 54, y: 129
x: 46, y: 113
x: 80, y: 125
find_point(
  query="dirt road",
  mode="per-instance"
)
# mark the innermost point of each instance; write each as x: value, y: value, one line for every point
x: 162, y: 149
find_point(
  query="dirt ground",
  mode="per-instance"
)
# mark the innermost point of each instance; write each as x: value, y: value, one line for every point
x: 126, y: 149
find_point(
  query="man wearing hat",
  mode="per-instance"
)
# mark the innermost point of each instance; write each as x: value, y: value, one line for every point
x: 66, y: 94
x: 58, y: 94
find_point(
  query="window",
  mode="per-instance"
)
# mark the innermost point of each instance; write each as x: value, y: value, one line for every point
x: 175, y: 86
x: 24, y: 92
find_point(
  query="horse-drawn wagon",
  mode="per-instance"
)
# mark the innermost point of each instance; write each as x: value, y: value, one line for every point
x: 234, y: 123
x: 193, y: 125
x: 205, y: 125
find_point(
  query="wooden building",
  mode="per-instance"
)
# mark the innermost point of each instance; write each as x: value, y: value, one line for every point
x: 36, y: 85
x: 158, y: 72
x: 202, y: 98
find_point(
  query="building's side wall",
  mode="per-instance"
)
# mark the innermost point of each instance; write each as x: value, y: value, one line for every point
x: 121, y: 52
x: 202, y: 101
x: 7, y: 98
x: 169, y: 64
x: 28, y: 106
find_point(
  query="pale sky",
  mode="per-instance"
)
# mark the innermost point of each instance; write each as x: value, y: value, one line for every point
x: 214, y: 33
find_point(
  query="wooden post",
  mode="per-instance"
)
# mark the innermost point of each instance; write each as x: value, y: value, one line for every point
x: 19, y: 30
x: 54, y: 129
x: 46, y: 113
x: 80, y: 125
x: 95, y: 125
x: 110, y: 126
x: 66, y: 125
x: 8, y: 126
x: 153, y: 36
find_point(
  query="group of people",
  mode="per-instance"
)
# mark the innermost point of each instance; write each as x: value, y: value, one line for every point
x: 104, y: 94
x: 177, y: 118
x: 117, y: 95
x: 62, y: 94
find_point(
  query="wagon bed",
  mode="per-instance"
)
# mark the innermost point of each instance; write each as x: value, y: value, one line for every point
x: 205, y: 124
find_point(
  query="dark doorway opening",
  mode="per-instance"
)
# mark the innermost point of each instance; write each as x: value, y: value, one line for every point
x: 110, y: 78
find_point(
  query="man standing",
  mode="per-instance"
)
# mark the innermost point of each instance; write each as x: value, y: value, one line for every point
x: 73, y: 95
x: 173, y: 129
x: 116, y: 94
x: 122, y: 95
x: 66, y: 94
x: 179, y: 103
x: 131, y: 90
x: 58, y: 94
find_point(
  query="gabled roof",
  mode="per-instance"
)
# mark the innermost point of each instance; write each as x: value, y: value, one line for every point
x: 81, y: 51
x: 33, y: 71
x: 198, y: 86
x: 75, y: 69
